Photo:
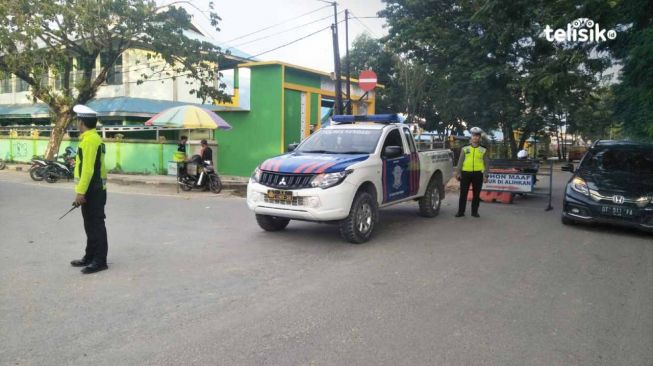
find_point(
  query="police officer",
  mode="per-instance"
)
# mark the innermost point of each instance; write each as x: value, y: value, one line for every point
x: 91, y: 177
x: 473, y: 166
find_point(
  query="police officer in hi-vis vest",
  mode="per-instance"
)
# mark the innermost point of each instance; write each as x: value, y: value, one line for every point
x: 473, y: 166
x: 91, y: 178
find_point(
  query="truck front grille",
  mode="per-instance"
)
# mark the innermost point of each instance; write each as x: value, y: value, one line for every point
x: 286, y: 181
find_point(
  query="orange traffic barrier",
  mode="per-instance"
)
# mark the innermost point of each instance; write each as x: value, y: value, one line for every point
x: 491, y: 196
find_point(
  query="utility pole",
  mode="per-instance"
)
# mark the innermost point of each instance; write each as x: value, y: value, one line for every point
x: 336, y: 57
x: 348, y: 105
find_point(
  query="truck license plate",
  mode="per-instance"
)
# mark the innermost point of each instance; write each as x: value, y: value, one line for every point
x: 285, y: 196
x: 617, y: 211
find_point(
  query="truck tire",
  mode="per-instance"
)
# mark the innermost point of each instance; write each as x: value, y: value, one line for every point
x: 429, y: 204
x: 272, y: 223
x: 357, y: 228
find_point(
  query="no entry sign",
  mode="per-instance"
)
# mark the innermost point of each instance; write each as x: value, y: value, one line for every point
x: 367, y: 80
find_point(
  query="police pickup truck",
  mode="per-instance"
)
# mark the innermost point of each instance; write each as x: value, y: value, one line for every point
x: 345, y: 172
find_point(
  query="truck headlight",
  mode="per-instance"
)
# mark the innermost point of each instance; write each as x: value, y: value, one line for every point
x: 256, y: 176
x: 579, y: 185
x: 327, y: 180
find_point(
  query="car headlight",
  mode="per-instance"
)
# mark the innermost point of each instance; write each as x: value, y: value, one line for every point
x: 643, y: 201
x: 256, y: 176
x: 327, y: 180
x: 579, y: 185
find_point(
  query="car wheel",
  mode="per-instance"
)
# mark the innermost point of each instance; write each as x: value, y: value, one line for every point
x: 567, y: 221
x: 429, y: 204
x: 357, y: 228
x: 272, y: 223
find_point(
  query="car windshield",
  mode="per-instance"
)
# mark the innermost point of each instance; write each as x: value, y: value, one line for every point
x: 341, y: 141
x: 636, y: 161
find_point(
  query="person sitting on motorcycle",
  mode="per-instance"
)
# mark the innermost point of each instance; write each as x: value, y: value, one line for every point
x: 206, y: 153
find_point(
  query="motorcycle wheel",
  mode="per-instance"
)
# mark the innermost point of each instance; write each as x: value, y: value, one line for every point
x: 50, y: 176
x: 183, y: 184
x: 36, y: 173
x: 2, y: 165
x: 215, y: 184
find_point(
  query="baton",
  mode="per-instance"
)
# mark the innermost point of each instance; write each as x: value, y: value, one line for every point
x: 74, y: 207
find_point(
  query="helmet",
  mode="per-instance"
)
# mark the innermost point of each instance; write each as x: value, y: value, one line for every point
x: 522, y: 154
x: 475, y: 131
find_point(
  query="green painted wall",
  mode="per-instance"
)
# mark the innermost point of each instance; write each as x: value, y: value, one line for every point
x: 304, y: 78
x: 133, y: 157
x: 292, y: 114
x: 255, y: 135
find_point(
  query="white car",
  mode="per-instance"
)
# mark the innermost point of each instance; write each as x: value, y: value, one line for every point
x: 345, y: 172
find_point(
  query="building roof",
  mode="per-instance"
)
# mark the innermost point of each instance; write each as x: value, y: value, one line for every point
x: 105, y: 107
x: 297, y: 67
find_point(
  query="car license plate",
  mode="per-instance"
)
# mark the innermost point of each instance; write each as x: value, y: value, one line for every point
x: 285, y: 196
x: 617, y: 211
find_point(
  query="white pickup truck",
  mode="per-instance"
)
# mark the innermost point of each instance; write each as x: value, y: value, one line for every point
x: 345, y: 172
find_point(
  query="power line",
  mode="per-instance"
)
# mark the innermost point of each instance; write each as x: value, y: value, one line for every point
x: 277, y: 24
x: 281, y: 32
x: 364, y: 25
x: 295, y: 41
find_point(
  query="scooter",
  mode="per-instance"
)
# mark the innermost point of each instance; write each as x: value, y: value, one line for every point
x: 207, y: 178
x: 38, y: 168
x: 57, y: 170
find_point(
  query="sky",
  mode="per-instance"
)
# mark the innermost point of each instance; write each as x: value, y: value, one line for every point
x: 246, y: 16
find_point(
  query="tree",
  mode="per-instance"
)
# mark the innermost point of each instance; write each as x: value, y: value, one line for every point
x: 368, y: 53
x: 491, y: 66
x: 39, y: 38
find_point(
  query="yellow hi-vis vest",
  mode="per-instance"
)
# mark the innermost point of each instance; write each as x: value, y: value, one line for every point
x: 474, y: 158
x: 90, y: 171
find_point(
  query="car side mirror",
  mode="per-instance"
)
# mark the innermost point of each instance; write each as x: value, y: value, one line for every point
x: 568, y: 168
x: 391, y: 152
x: 292, y: 147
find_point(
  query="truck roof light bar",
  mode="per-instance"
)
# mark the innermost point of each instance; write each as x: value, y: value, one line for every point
x: 376, y: 118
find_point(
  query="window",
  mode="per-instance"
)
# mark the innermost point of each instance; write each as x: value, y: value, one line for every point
x: 21, y: 85
x: 411, y: 141
x: 5, y: 83
x: 114, y: 76
x: 393, y: 139
x: 341, y: 141
x: 623, y: 160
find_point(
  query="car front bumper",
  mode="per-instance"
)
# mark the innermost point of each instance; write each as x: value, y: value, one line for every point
x: 311, y: 204
x: 580, y: 208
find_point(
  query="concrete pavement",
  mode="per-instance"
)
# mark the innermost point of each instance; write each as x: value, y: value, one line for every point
x: 194, y: 281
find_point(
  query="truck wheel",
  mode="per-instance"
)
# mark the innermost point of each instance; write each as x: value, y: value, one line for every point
x: 271, y: 223
x: 429, y: 204
x: 357, y: 228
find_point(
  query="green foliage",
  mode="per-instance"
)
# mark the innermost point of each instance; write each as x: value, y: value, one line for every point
x: 66, y: 37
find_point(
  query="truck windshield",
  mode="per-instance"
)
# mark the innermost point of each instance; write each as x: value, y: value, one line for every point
x: 341, y: 141
x: 636, y: 161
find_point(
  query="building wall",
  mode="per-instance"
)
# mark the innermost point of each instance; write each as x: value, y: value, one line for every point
x: 133, y: 156
x: 255, y: 135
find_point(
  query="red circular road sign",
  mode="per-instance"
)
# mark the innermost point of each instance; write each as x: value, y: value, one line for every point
x: 367, y: 80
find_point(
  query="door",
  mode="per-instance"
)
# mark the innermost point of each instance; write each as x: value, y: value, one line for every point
x: 395, y: 169
x: 413, y: 165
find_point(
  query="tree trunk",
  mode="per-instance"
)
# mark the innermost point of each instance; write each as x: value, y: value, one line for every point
x: 61, y: 122
x: 509, y: 136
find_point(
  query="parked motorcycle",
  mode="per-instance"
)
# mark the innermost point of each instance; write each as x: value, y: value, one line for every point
x: 206, y: 177
x: 39, y: 166
x: 57, y: 170
x: 2, y: 164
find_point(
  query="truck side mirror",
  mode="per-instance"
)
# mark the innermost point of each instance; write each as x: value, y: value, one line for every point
x: 568, y: 168
x: 390, y: 152
x: 292, y: 147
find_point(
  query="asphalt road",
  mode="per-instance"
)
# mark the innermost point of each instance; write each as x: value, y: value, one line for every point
x: 194, y: 281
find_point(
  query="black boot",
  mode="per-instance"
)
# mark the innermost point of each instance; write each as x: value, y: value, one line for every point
x: 475, y: 214
x: 94, y: 267
x: 81, y: 262
x: 460, y: 214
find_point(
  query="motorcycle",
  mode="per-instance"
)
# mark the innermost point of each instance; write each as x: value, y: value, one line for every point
x: 39, y: 166
x: 206, y: 178
x: 57, y: 170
